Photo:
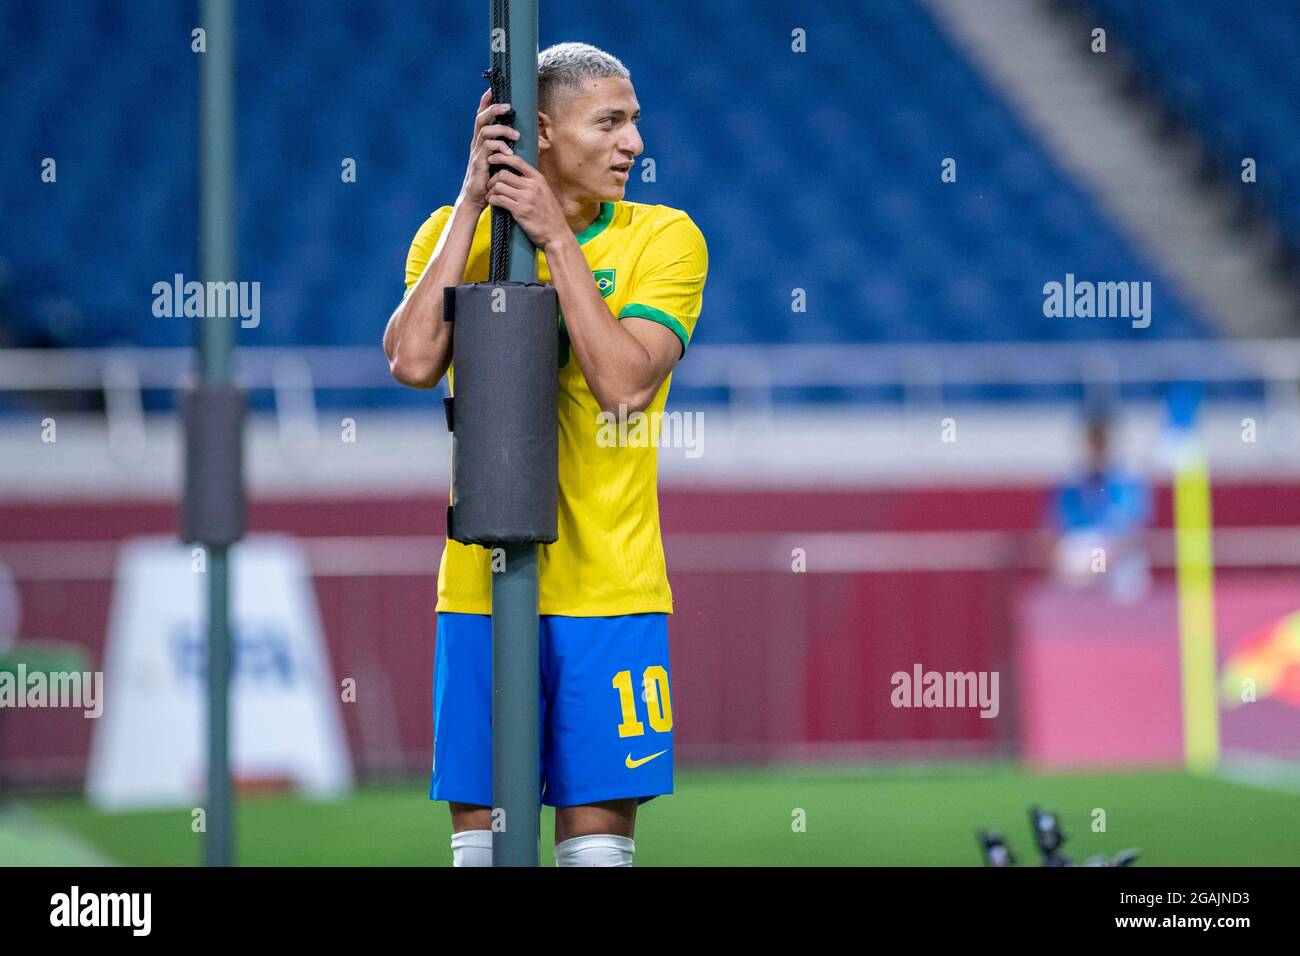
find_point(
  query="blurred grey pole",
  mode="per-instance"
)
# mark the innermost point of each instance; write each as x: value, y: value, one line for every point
x: 216, y: 341
x: 516, y: 729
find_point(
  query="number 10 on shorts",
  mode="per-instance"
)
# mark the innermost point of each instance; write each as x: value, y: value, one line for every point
x: 659, y: 708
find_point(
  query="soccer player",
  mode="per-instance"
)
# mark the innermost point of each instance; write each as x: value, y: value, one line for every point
x: 629, y: 278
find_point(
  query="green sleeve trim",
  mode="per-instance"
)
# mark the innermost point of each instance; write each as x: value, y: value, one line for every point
x: 657, y: 315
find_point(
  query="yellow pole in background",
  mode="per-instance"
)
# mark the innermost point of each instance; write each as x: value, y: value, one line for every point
x: 1192, y: 529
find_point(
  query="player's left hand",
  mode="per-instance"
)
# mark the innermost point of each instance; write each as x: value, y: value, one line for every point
x: 526, y: 196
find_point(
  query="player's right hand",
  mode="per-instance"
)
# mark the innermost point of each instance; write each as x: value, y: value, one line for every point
x: 484, y: 144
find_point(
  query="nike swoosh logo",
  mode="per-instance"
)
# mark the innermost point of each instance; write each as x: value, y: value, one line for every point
x: 633, y: 764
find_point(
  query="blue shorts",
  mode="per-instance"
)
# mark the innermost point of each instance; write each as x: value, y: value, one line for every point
x: 606, y: 709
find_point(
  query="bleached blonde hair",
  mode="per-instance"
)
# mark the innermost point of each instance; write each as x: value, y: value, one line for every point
x: 563, y: 67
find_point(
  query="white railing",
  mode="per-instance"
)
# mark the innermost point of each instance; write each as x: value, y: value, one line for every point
x: 748, y: 373
x: 737, y: 367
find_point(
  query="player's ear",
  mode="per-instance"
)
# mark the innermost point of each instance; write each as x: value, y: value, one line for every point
x: 543, y: 131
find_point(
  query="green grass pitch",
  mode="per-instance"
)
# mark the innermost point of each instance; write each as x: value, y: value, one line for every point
x: 908, y: 816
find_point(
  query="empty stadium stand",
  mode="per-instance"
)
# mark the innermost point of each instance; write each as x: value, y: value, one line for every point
x: 844, y: 200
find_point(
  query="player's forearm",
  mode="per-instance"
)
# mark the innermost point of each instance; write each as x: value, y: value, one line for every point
x: 416, y: 340
x: 616, y: 366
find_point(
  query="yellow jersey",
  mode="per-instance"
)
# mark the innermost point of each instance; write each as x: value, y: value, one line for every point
x: 647, y: 261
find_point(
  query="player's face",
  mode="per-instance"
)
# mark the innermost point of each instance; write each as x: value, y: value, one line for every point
x: 588, y: 150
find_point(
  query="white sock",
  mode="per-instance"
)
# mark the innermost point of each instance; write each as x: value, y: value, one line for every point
x: 471, y: 848
x: 598, y: 849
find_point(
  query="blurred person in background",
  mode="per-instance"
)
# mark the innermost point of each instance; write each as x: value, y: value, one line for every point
x: 1099, y: 518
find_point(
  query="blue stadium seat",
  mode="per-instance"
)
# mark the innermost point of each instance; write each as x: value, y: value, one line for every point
x: 1231, y: 71
x: 817, y: 170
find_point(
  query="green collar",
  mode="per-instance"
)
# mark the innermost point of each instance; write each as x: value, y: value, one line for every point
x: 598, y: 224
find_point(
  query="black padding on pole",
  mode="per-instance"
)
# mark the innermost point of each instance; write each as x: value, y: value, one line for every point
x: 505, y: 448
x: 212, y: 511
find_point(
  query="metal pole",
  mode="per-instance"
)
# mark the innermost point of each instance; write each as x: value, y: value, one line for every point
x: 516, y: 727
x: 216, y: 346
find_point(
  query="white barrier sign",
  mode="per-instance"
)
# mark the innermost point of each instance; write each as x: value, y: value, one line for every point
x: 150, y: 745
